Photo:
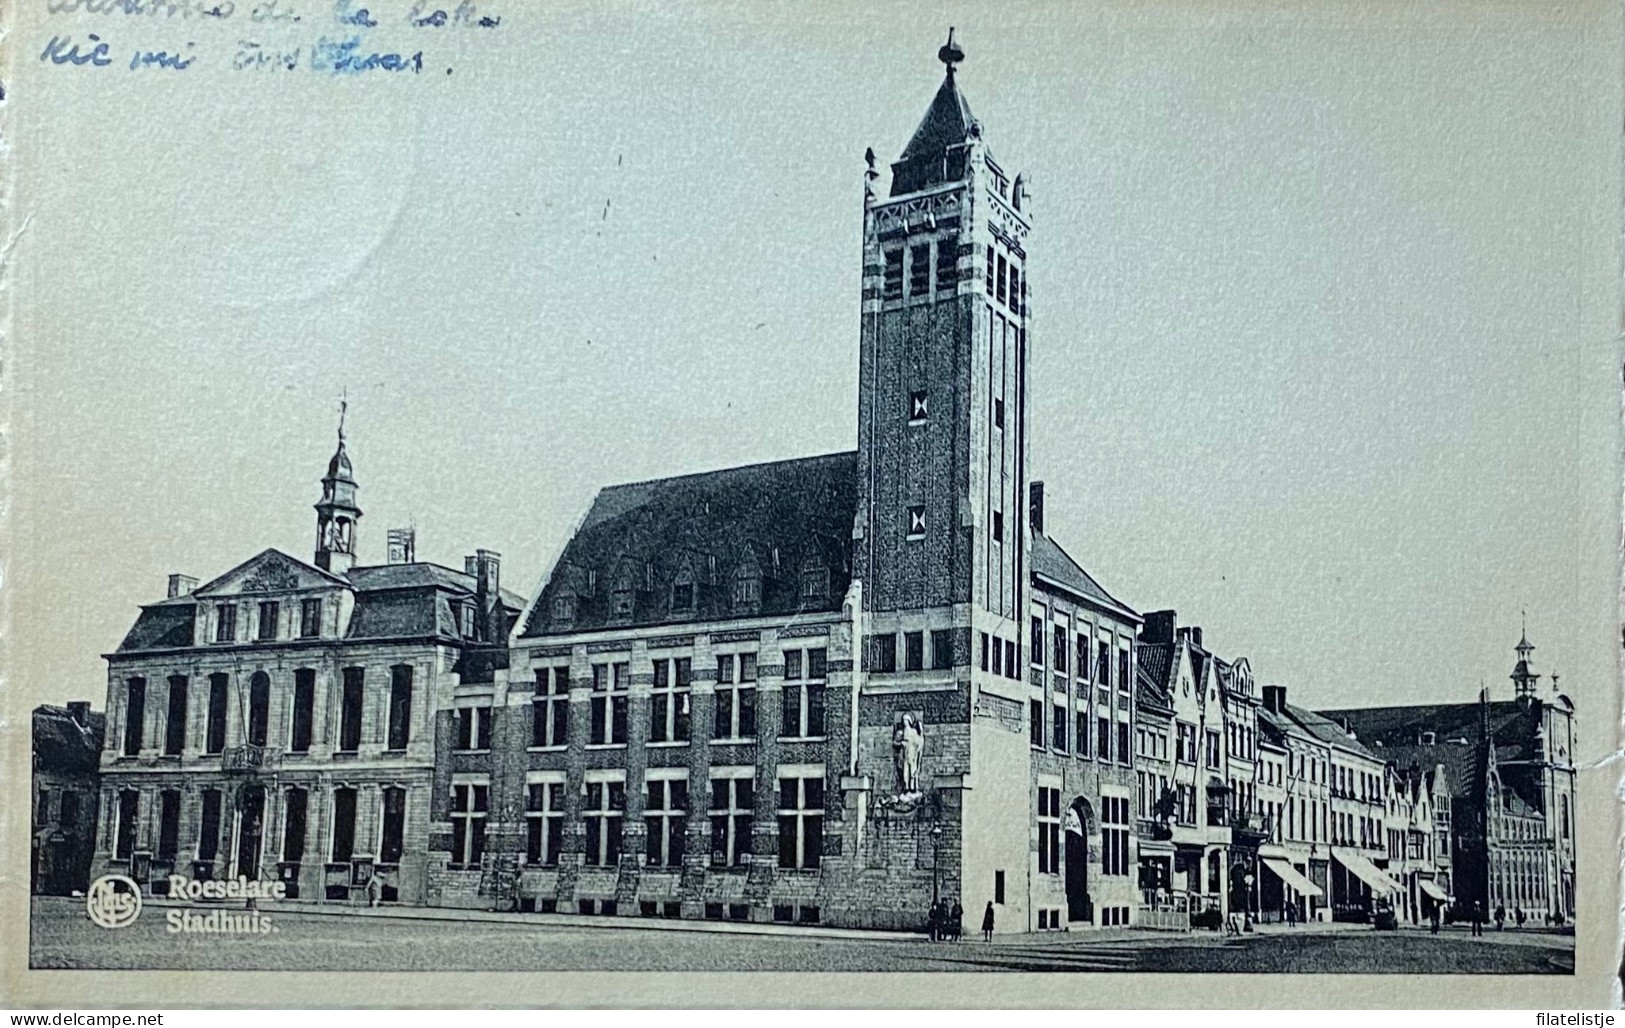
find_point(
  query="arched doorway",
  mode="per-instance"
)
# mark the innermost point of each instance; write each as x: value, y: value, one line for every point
x: 1079, y: 817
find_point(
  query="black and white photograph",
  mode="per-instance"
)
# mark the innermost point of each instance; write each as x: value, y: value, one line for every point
x: 1041, y: 497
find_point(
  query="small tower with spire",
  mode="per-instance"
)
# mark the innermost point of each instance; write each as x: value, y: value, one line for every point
x: 337, y: 514
x: 1524, y: 680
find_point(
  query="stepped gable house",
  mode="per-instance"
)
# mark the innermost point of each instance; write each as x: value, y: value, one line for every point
x: 285, y: 718
x: 830, y: 690
x: 67, y: 744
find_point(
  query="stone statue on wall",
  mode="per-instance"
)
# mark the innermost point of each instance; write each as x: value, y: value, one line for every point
x: 907, y: 740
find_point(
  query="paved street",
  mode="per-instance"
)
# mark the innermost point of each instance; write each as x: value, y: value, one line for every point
x: 63, y: 937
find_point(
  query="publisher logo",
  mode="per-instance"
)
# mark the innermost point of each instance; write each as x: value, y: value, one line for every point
x: 113, y: 901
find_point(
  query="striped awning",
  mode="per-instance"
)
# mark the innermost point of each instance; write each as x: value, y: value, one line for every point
x: 1432, y: 889
x: 1366, y: 871
x: 1291, y: 876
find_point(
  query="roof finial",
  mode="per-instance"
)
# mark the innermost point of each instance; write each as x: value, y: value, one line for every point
x: 344, y: 407
x: 950, y: 54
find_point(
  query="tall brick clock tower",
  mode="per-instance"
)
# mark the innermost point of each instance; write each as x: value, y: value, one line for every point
x: 941, y: 542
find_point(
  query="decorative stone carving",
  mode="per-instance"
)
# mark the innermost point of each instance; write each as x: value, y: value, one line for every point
x: 907, y: 742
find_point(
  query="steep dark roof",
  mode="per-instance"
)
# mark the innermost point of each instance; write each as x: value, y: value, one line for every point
x: 1512, y: 724
x: 1153, y: 663
x: 420, y: 575
x: 946, y: 123
x: 710, y: 527
x: 161, y: 626
x: 62, y: 745
x: 1327, y: 731
x: 1054, y: 563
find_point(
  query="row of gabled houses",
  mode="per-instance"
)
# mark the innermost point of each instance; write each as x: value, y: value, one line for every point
x: 832, y: 690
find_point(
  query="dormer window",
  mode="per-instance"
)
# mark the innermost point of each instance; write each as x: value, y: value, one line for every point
x: 564, y: 607
x: 682, y: 591
x: 814, y: 580
x: 620, y: 601
x: 270, y: 614
x: 310, y: 618
x: 747, y: 587
x: 465, y: 617
x: 225, y: 623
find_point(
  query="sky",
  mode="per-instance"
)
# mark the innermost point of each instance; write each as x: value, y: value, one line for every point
x: 1324, y: 303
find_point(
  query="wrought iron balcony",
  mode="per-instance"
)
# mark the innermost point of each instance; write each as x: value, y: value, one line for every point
x: 249, y: 758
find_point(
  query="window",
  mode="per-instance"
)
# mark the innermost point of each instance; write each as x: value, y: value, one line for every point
x: 1012, y: 658
x: 998, y: 654
x: 942, y: 649
x: 259, y: 708
x: 175, y: 723
x: 550, y: 707
x: 1059, y: 650
x: 304, y: 709
x: 169, y: 824
x: 392, y: 837
x: 1114, y: 835
x: 1212, y: 749
x: 998, y: 412
x: 1082, y: 732
x: 892, y: 283
x: 225, y: 622
x: 129, y: 808
x: 1103, y: 665
x: 735, y: 713
x: 732, y: 805
x: 916, y: 522
x: 803, y: 705
x: 610, y: 685
x: 270, y: 612
x: 801, y: 821
x: 214, y: 736
x: 1083, y: 656
x: 665, y: 819
x: 400, y: 706
x: 1049, y: 830
x: 1186, y: 743
x: 620, y: 598
x: 470, y: 803
x: 350, y: 710
x: 998, y: 887
x: 913, y: 651
x: 919, y: 406
x: 998, y: 526
x: 992, y: 270
x: 947, y: 270
x: 814, y: 580
x: 1103, y: 739
x: 473, y: 728
x: 544, y: 822
x: 344, y: 825
x: 295, y: 805
x: 208, y: 832
x: 747, y: 590
x: 884, y: 648
x: 1124, y: 754
x: 1035, y: 723
x: 682, y: 591
x: 669, y: 706
x: 1015, y: 288
x: 919, y: 270
x: 310, y: 619
x: 999, y: 279
x: 1059, y: 721
x: 135, y: 715
x: 604, y: 809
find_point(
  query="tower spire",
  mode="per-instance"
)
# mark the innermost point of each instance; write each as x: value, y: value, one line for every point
x: 337, y: 513
x: 950, y: 53
x: 1524, y: 679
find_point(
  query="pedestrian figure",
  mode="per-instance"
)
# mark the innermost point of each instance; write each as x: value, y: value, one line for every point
x: 1433, y: 919
x: 1291, y: 914
x: 987, y: 922
x: 1500, y: 917
x: 956, y: 921
x: 375, y: 891
x: 1517, y: 915
x: 933, y: 922
x: 1478, y: 918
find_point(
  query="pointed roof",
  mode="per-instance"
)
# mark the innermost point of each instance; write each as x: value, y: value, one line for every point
x: 946, y: 123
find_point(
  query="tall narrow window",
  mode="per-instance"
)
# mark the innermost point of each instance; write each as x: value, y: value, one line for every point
x: 304, y: 709
x: 135, y: 715
x: 310, y: 618
x: 544, y: 822
x: 803, y: 704
x: 735, y: 714
x: 175, y: 722
x: 1081, y: 734
x: 992, y: 270
x: 214, y: 735
x: 1059, y: 649
x: 1015, y: 288
x: 350, y: 709
x: 919, y: 271
x: 610, y: 685
x: 343, y: 824
x: 400, y: 706
x: 883, y: 647
x: 129, y: 811
x: 1123, y: 680
x: 999, y: 280
x: 473, y: 728
x: 1035, y: 723
x: 208, y: 831
x: 801, y: 821
x: 1049, y: 830
x: 1103, y: 739
x: 1061, y: 721
x: 947, y: 259
x: 270, y: 614
x: 1036, y: 644
x: 294, y: 807
x: 392, y: 838
x: 1124, y: 756
x: 602, y: 815
x: 1103, y: 669
x: 470, y: 804
x: 225, y: 622
x: 1114, y: 836
x: 913, y: 651
x: 550, y: 707
x: 942, y: 649
x: 665, y: 821
x: 259, y: 708
x: 1083, y: 654
x: 669, y: 705
x: 892, y: 283
x: 169, y: 824
x: 732, y: 805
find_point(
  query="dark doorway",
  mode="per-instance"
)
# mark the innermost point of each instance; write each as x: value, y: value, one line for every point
x: 249, y: 831
x: 1075, y: 829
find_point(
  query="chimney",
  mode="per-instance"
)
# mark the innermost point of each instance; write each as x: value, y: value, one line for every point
x: 1196, y: 635
x: 403, y: 546
x: 79, y: 710
x: 1159, y: 627
x: 1035, y: 507
x: 471, y: 566
x: 1275, y: 698
x: 181, y: 585
x: 487, y: 568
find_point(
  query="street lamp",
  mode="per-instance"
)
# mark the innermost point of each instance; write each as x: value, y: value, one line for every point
x: 936, y: 879
x: 1252, y: 901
